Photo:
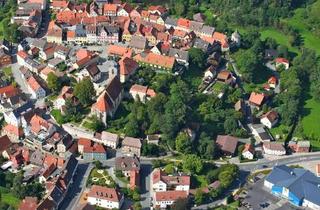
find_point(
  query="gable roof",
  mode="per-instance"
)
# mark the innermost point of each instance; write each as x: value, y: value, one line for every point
x: 127, y: 163
x: 105, y: 193
x: 4, y: 143
x: 170, y: 195
x: 131, y: 142
x: 257, y: 98
x: 127, y: 66
x: 272, y: 116
x: 155, y: 59
x: 227, y: 143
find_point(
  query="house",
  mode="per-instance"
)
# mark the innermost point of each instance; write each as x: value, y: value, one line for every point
x: 161, y: 182
x: 167, y: 198
x: 181, y: 56
x: 126, y: 164
x: 14, y: 133
x: 21, y: 57
x: 4, y: 144
x: 240, y: 106
x: 108, y: 34
x: 299, y: 146
x: 83, y: 142
x: 260, y: 133
x: 199, y: 17
x: 197, y: 27
x: 183, y: 24
x: 143, y: 93
x: 158, y: 9
x: 257, y: 99
x: 160, y: 62
x: 54, y: 33
x: 14, y: 117
x: 110, y: 10
x: 37, y: 91
x: 119, y: 51
x: 30, y: 203
x: 282, y: 62
x: 127, y: 67
x: 248, y: 152
x: 299, y: 186
x: 273, y: 82
x: 104, y: 197
x: 207, y: 31
x: 210, y: 73
x: 110, y: 139
x: 124, y: 10
x: 138, y: 43
x: 235, y: 38
x: 153, y: 139
x: 202, y: 44
x: 274, y: 148
x: 225, y: 77
x: 5, y: 59
x: 227, y: 144
x: 94, y: 152
x: 270, y: 119
x: 270, y: 54
x: 131, y: 146
x: 61, y: 52
x: 170, y: 22
x: 94, y: 72
x: 66, y: 93
x: 109, y: 100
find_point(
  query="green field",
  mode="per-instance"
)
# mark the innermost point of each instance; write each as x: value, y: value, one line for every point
x: 310, y: 121
x: 8, y: 198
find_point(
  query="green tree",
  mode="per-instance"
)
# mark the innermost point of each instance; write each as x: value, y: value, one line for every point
x: 53, y: 82
x: 181, y: 204
x: 197, y: 57
x: 183, y: 143
x: 199, y: 197
x: 192, y: 164
x: 84, y: 91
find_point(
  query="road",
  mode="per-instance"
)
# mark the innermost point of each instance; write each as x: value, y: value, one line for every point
x: 77, y: 187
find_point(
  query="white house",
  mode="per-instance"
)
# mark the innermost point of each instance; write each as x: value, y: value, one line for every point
x: 269, y: 119
x: 109, y: 139
x: 142, y: 92
x: 160, y: 182
x: 35, y: 88
x: 104, y: 197
x: 124, y: 10
x: 248, y: 152
x: 274, y: 148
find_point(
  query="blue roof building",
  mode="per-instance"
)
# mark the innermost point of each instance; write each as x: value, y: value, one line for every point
x: 299, y: 186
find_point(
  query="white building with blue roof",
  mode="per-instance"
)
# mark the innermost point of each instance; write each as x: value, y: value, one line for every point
x: 299, y: 186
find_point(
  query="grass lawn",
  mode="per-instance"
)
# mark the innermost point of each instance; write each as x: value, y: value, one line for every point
x: 57, y: 116
x: 8, y: 198
x: 101, y: 179
x: 281, y: 130
x: 311, y: 120
x: 199, y: 181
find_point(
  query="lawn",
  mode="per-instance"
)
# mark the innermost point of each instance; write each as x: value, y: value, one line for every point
x: 310, y: 122
x: 8, y: 198
x: 101, y: 178
x: 280, y: 129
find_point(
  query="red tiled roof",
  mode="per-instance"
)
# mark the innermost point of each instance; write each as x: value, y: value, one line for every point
x: 14, y: 130
x: 4, y: 143
x: 170, y: 195
x: 248, y: 147
x: 256, y: 98
x: 151, y: 93
x: 22, y: 54
x: 60, y: 4
x: 96, y: 148
x: 110, y: 7
x: 33, y: 83
x: 220, y: 37
x: 139, y: 88
x: 155, y: 59
x: 182, y: 22
x: 104, y: 193
x: 119, y: 51
x: 273, y: 80
x: 9, y: 91
x: 271, y: 116
x: 127, y: 66
x: 84, y: 142
x: 159, y: 8
x: 28, y: 203
x: 281, y: 60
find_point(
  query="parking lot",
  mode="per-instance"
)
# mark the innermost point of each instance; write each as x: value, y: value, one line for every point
x: 258, y: 197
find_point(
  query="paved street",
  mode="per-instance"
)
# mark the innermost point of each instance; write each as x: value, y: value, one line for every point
x: 19, y: 79
x: 77, y: 187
